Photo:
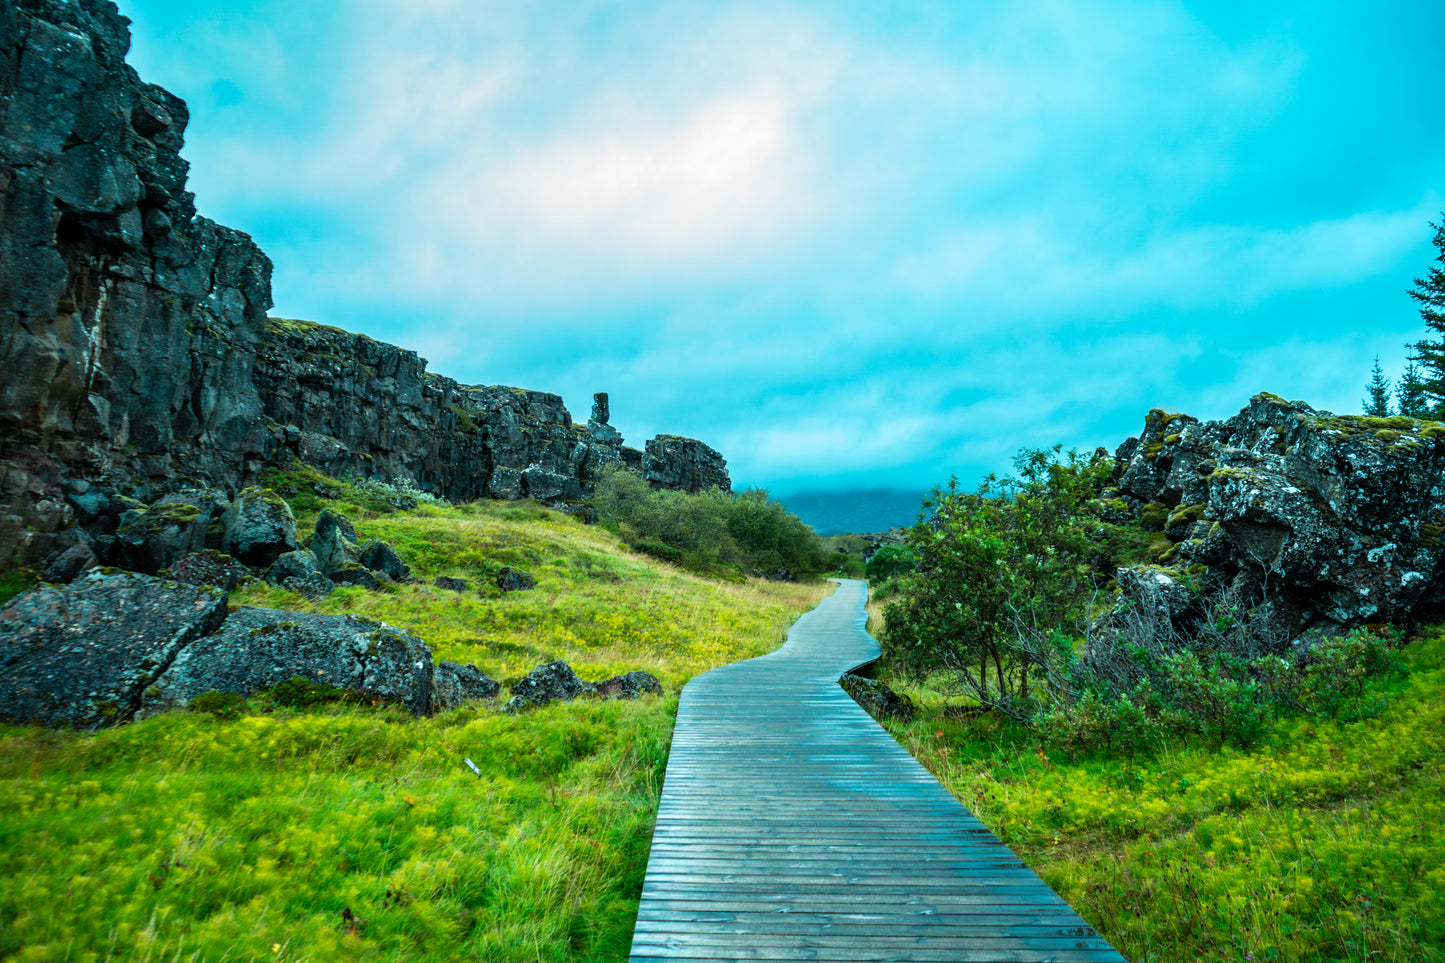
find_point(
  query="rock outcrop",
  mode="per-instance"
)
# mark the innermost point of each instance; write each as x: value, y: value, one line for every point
x: 112, y: 647
x: 559, y: 682
x: 83, y: 655
x: 136, y: 356
x: 257, y: 649
x: 456, y: 684
x: 1336, y: 519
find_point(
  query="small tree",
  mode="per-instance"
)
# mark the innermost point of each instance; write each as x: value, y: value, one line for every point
x: 1410, y: 393
x: 1377, y: 393
x: 1000, y: 570
x: 1429, y: 293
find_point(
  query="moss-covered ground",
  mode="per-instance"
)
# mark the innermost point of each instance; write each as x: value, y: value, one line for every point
x: 359, y: 833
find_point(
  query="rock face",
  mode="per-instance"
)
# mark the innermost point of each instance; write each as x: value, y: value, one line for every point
x: 83, y: 655
x: 110, y: 648
x: 1338, y: 518
x: 683, y: 464
x: 135, y: 348
x: 260, y: 648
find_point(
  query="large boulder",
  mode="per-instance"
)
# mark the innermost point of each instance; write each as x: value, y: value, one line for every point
x: 378, y: 556
x: 1336, y: 520
x: 510, y: 579
x: 207, y: 567
x: 259, y: 527
x: 83, y: 655
x: 152, y: 539
x: 260, y: 648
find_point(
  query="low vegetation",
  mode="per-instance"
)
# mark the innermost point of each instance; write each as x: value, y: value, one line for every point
x: 1196, y: 790
x: 1319, y: 843
x: 249, y: 830
x: 727, y: 534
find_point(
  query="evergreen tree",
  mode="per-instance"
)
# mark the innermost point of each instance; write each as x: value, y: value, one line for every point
x: 1410, y: 393
x: 1377, y: 393
x: 1429, y: 293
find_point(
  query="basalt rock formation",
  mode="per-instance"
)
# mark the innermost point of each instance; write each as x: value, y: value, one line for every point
x: 1336, y: 521
x: 112, y: 647
x: 136, y: 355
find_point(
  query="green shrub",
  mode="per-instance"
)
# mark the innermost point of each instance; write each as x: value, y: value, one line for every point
x: 1336, y: 673
x: 15, y: 581
x: 891, y: 561
x: 222, y: 705
x: 713, y: 532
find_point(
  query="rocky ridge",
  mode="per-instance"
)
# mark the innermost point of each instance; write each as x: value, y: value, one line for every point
x: 1336, y: 521
x: 136, y: 355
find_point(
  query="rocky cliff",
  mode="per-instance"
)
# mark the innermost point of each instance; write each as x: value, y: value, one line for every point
x: 135, y: 348
x: 1336, y: 521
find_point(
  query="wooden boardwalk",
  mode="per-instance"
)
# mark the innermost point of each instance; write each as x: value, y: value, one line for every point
x: 793, y: 827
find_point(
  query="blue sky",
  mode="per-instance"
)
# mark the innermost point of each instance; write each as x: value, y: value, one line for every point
x: 849, y: 244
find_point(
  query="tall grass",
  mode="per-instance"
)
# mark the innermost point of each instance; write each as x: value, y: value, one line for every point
x: 1321, y: 844
x: 359, y: 833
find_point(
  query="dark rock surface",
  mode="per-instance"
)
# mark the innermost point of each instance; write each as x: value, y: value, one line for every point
x: 151, y: 540
x: 877, y: 699
x: 135, y: 350
x: 552, y: 682
x: 83, y: 655
x: 514, y: 580
x: 1338, y: 519
x: 208, y: 567
x: 455, y: 684
x: 70, y: 563
x: 451, y: 584
x: 683, y: 464
x: 260, y: 648
x: 292, y: 565
x: 631, y: 685
x: 378, y: 556
x: 557, y: 682
x: 259, y: 527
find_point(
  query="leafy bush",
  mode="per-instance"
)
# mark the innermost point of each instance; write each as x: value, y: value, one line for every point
x: 1002, y: 601
x: 714, y: 532
x: 891, y: 561
x: 1000, y: 571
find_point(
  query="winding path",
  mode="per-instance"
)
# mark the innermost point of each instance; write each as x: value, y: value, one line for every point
x: 793, y: 827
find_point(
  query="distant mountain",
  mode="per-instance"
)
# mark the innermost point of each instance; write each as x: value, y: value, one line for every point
x: 839, y: 513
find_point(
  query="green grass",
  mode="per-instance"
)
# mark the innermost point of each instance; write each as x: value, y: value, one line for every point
x: 359, y: 833
x: 1323, y: 844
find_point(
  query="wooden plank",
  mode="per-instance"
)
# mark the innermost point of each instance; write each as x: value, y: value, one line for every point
x: 793, y: 827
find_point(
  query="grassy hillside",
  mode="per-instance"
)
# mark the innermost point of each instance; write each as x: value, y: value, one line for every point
x: 1320, y: 844
x: 357, y: 832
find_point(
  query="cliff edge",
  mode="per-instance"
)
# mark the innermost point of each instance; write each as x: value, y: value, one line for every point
x: 135, y: 349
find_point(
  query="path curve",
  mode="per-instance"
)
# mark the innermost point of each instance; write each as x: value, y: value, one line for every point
x: 793, y: 827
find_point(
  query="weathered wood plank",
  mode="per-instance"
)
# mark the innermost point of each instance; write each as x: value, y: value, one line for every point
x: 793, y: 827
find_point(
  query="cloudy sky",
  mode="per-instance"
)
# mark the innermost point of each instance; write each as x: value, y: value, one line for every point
x: 849, y: 244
